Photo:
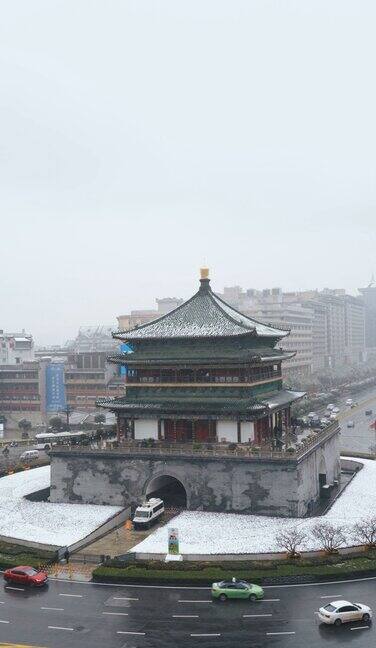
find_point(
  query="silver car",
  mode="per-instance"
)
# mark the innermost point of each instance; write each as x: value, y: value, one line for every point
x: 338, y: 612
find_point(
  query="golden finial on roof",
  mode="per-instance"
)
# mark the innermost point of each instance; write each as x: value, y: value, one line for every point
x: 204, y: 273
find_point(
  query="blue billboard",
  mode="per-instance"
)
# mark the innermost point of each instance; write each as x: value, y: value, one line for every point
x: 125, y: 348
x: 55, y: 387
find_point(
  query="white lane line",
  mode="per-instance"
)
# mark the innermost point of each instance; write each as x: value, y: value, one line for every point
x: 184, y: 601
x: 73, y: 595
x: 124, y: 598
x: 361, y: 628
x: 251, y: 616
x: 270, y: 634
x: 2, y: 602
x: 267, y: 600
x: 59, y: 628
x: 19, y: 589
x: 332, y: 596
x: 51, y: 608
x: 130, y: 633
x: 116, y: 613
x: 207, y: 634
x: 4, y: 621
x: 185, y: 616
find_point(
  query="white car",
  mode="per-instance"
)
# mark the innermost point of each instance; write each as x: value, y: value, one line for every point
x: 312, y: 415
x: 335, y: 410
x: 333, y: 417
x: 350, y: 424
x: 338, y: 612
x: 330, y: 406
x: 349, y: 401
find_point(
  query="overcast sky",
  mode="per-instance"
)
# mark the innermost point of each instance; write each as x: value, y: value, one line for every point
x: 142, y: 139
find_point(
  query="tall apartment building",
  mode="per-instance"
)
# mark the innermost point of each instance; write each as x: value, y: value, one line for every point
x: 369, y: 296
x: 326, y: 327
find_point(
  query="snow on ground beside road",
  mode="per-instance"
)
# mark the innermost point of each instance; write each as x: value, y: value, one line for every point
x: 224, y: 533
x: 56, y: 524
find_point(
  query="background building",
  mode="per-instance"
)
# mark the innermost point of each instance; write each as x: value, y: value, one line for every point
x: 139, y: 317
x: 369, y: 296
x: 16, y: 348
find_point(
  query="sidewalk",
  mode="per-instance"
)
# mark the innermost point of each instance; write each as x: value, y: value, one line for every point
x: 121, y: 540
x: 72, y: 571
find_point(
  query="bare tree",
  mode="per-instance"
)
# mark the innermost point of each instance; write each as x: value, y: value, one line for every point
x: 364, y: 531
x: 291, y: 540
x: 331, y: 537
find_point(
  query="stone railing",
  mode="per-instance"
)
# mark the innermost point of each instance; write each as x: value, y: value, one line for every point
x: 215, y: 450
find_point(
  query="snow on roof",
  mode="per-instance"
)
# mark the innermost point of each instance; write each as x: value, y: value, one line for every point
x: 55, y: 524
x: 203, y: 315
x: 222, y: 533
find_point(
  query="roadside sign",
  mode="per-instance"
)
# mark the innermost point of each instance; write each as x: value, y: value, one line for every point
x: 173, y: 541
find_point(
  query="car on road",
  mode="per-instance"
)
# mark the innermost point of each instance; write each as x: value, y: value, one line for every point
x: 330, y: 406
x: 369, y: 412
x: 350, y: 424
x: 236, y: 590
x: 338, y: 612
x: 26, y: 575
x: 333, y: 417
x: 349, y: 401
x: 312, y: 415
x: 29, y: 455
x: 335, y: 410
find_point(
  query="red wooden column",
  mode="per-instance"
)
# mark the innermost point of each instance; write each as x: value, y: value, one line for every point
x: 239, y: 430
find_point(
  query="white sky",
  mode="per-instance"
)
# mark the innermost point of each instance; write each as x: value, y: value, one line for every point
x: 141, y: 139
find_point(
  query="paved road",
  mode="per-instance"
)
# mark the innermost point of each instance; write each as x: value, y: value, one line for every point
x: 70, y: 615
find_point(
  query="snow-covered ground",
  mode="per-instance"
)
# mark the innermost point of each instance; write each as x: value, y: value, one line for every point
x: 224, y: 533
x: 56, y: 524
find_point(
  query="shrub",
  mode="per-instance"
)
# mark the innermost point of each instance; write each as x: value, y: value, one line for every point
x: 291, y: 540
x: 331, y: 537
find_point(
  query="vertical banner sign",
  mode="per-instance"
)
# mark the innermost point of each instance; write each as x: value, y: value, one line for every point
x: 55, y: 387
x: 173, y: 541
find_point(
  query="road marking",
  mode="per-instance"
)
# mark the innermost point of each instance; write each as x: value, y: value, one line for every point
x: 267, y: 600
x: 361, y: 628
x: 270, y: 634
x: 185, y: 616
x: 60, y: 628
x: 251, y: 616
x: 332, y: 596
x: 2, y: 602
x: 19, y: 589
x: 116, y: 613
x: 4, y: 621
x: 212, y: 634
x: 130, y: 633
x: 74, y: 595
x: 124, y: 598
x: 51, y: 608
x: 184, y: 601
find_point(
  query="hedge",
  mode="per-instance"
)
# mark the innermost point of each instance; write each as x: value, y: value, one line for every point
x: 188, y: 573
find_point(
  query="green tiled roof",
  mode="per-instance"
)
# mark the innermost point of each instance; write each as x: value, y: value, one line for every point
x: 205, y: 315
x: 190, y: 404
x: 213, y: 354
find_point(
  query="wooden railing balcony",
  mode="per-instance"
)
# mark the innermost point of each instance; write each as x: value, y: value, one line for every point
x: 245, y: 451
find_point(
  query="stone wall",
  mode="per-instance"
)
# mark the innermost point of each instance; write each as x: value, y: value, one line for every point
x: 267, y: 487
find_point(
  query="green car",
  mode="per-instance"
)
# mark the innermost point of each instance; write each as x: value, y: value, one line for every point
x: 236, y: 589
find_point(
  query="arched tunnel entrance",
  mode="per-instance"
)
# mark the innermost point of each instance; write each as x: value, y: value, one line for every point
x: 169, y: 489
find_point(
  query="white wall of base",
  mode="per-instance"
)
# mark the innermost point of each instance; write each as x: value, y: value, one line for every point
x: 228, y: 431
x: 146, y: 429
x: 247, y: 431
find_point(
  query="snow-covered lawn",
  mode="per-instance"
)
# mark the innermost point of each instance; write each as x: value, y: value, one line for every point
x: 55, y: 524
x: 224, y: 533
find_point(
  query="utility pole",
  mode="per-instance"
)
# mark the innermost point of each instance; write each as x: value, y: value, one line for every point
x: 68, y: 410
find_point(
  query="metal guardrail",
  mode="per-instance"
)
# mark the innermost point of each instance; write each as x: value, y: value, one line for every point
x: 241, y: 451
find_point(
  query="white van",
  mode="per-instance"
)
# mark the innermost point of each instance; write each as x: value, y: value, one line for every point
x: 29, y: 455
x: 148, y: 513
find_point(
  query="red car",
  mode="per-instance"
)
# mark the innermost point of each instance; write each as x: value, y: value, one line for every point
x: 26, y: 575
